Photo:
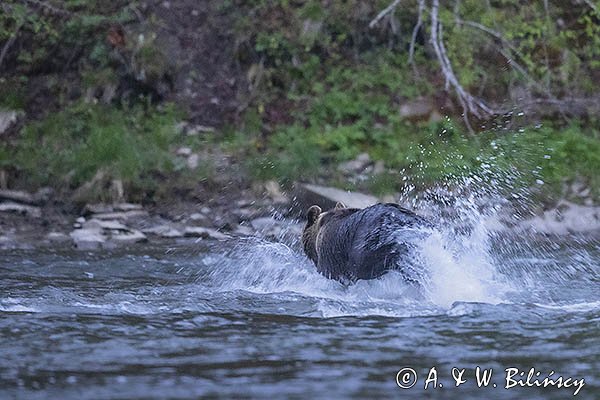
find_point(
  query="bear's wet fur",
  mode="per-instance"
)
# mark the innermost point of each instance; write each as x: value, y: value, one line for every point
x: 348, y: 244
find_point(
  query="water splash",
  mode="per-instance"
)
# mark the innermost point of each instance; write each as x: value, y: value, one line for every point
x: 468, y: 258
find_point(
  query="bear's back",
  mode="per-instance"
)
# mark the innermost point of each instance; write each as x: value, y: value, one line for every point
x: 364, y: 244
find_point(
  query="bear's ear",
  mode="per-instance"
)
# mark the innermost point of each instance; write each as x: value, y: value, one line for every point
x: 312, y: 214
x: 339, y: 205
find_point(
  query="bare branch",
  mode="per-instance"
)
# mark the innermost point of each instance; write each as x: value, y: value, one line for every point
x: 9, y: 43
x: 413, y: 39
x: 523, y: 71
x: 384, y: 12
x: 497, y: 35
x: 470, y: 104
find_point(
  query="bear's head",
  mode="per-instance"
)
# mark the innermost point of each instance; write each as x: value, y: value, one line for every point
x: 315, y: 218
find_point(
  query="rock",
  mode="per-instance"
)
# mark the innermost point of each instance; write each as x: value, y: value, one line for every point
x: 585, y: 193
x: 17, y: 195
x: 57, y: 237
x: 577, y: 187
x: 566, y: 218
x: 184, y: 151
x: 273, y: 191
x: 43, y: 195
x: 121, y: 215
x: 20, y: 196
x: 196, y: 130
x: 22, y: 209
x: 80, y: 220
x: 193, y: 161
x: 101, y: 208
x: 110, y: 225
x: 97, y: 208
x: 88, y: 239
x: 127, y: 207
x: 243, y: 230
x: 246, y: 213
x: 205, y: 210
x: 86, y: 190
x: 243, y: 203
x: 267, y: 226
x: 264, y: 223
x: 204, y: 233
x: 417, y: 109
x: 117, y: 191
x: 7, y: 119
x: 198, y: 217
x: 165, y: 231
x: 307, y: 195
x: 134, y: 236
x: 356, y: 165
x: 180, y: 127
x: 378, y: 168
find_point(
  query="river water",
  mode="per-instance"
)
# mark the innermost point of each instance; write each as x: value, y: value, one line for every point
x: 249, y: 318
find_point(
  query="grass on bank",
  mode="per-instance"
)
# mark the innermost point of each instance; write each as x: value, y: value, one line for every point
x: 137, y: 145
x: 544, y: 157
x: 84, y: 141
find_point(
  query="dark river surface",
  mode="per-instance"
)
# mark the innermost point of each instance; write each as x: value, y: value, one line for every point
x: 248, y: 318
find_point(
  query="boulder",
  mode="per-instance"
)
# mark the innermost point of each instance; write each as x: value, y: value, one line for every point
x: 110, y: 225
x: 243, y: 230
x: 121, y: 215
x: 127, y: 207
x: 274, y: 192
x: 22, y: 209
x: 57, y: 237
x: 204, y: 233
x: 566, y: 218
x: 132, y: 236
x: 193, y: 161
x: 307, y: 195
x: 417, y: 109
x: 88, y: 239
x: 356, y: 165
x: 18, y: 196
x: 165, y: 231
x: 184, y: 151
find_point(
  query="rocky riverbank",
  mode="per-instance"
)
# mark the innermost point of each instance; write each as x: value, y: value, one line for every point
x: 36, y: 220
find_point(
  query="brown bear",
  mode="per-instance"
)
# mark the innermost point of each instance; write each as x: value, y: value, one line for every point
x: 348, y: 244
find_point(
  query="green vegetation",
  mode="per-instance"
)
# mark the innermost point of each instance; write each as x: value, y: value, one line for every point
x: 92, y: 141
x: 435, y: 153
x: 317, y: 87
